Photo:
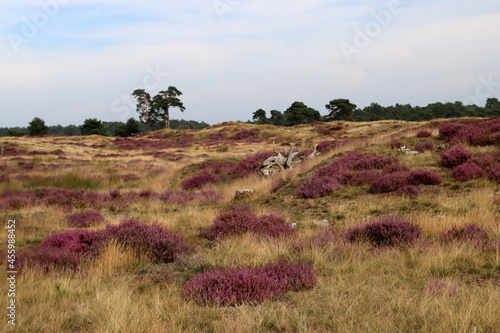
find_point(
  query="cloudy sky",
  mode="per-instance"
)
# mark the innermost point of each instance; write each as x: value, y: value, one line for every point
x: 68, y: 60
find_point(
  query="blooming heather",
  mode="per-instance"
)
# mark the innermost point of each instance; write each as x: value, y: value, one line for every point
x: 455, y: 157
x: 89, y: 218
x: 236, y: 286
x: 467, y: 171
x: 386, y: 232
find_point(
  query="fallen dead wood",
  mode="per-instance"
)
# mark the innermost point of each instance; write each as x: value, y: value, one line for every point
x: 275, y: 164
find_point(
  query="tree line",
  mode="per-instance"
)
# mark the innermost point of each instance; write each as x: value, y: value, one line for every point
x: 343, y: 109
x: 154, y: 113
x: 93, y: 126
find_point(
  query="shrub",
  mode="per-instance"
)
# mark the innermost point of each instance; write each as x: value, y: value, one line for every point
x: 317, y: 187
x: 199, y: 181
x: 389, y: 182
x: 240, y: 220
x: 494, y: 172
x: 386, y: 232
x: 455, y: 157
x: 155, y: 240
x: 218, y: 168
x: 423, y: 134
x: 485, y: 160
x: 478, y: 133
x: 252, y: 163
x: 89, y: 218
x: 449, y: 130
x: 48, y: 259
x: 325, y: 146
x: 360, y: 161
x: 364, y: 176
x: 467, y: 171
x: 334, y: 172
x: 84, y: 242
x: 395, y: 144
x: 408, y: 191
x: 423, y: 177
x: 423, y: 146
x: 63, y: 251
x: 495, y: 138
x: 240, y: 285
x: 397, y: 167
x: 469, y: 233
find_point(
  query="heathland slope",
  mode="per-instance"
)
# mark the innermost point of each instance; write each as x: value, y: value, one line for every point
x: 143, y: 234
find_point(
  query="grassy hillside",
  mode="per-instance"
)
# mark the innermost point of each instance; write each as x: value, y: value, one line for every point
x: 388, y: 242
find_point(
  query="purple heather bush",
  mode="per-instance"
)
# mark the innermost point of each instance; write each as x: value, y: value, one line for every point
x: 389, y: 182
x: 200, y: 181
x: 218, y: 168
x: 155, y: 240
x: 317, y: 187
x: 86, y: 219
x: 64, y: 251
x: 252, y: 163
x: 455, y: 157
x: 424, y: 146
x: 423, y: 134
x: 485, y: 160
x: 67, y: 250
x: 398, y: 167
x: 408, y: 191
x: 328, y: 130
x: 470, y: 233
x: 495, y: 138
x: 360, y: 161
x: 334, y: 172
x: 49, y: 259
x: 423, y: 177
x: 241, y: 219
x: 364, y: 177
x: 325, y: 146
x: 395, y: 144
x: 477, y: 133
x: 449, y: 130
x: 386, y: 232
x: 80, y: 241
x: 467, y: 171
x: 494, y: 172
x: 236, y: 286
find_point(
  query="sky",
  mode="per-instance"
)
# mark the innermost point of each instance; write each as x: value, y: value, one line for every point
x: 68, y: 60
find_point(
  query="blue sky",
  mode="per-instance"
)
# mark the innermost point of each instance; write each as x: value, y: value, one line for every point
x: 68, y: 60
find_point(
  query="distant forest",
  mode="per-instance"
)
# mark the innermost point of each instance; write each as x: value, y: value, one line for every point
x: 113, y: 128
x: 298, y: 113
x: 343, y: 109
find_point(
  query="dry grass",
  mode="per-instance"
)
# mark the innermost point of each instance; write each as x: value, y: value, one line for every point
x: 360, y: 289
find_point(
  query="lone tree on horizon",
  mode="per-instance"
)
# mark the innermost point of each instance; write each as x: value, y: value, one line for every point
x: 158, y: 108
x: 340, y: 109
x: 37, y: 127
